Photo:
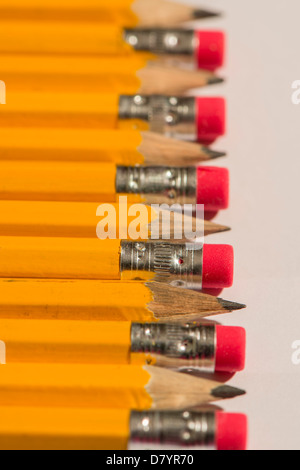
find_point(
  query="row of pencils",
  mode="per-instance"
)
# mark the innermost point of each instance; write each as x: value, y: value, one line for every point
x: 104, y: 337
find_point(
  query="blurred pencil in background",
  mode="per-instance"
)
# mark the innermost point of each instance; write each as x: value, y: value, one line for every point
x: 123, y: 147
x: 128, y: 75
x: 121, y: 12
x: 188, y: 118
x: 202, y: 49
x: 95, y: 429
x: 107, y: 386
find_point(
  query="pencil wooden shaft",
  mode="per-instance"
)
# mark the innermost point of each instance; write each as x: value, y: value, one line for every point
x: 75, y: 300
x: 33, y: 428
x: 59, y: 181
x: 62, y: 38
x: 81, y: 342
x: 123, y: 12
x: 84, y: 386
x: 62, y: 258
x: 80, y: 220
x: 86, y: 110
x: 130, y: 75
x: 103, y: 386
x: 124, y: 147
x: 90, y: 300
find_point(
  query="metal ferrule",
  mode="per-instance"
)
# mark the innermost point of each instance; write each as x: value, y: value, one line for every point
x: 176, y: 346
x: 181, y: 429
x: 158, y: 184
x: 172, y: 116
x: 177, y: 264
x: 162, y: 41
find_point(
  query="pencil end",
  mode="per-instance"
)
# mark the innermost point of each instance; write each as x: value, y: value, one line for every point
x: 213, y: 154
x: 215, y: 80
x: 231, y: 306
x: 210, y: 228
x: 226, y: 391
x: 200, y: 14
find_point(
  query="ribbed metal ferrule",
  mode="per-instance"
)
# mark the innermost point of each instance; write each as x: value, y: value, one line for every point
x: 169, y: 115
x: 177, y: 264
x: 176, y: 346
x: 162, y: 41
x: 177, y: 428
x: 158, y: 184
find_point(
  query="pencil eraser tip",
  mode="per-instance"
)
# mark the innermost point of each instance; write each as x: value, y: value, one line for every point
x: 211, y: 119
x: 218, y: 266
x: 230, y: 348
x: 211, y: 49
x: 213, y: 187
x: 232, y: 431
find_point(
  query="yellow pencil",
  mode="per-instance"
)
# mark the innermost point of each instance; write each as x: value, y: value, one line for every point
x: 84, y: 220
x: 204, y: 49
x: 190, y: 265
x: 189, y: 118
x: 106, y: 386
x: 122, y: 147
x: 90, y: 300
x: 107, y: 182
x: 128, y: 75
x: 37, y: 428
x: 122, y: 12
x: 204, y: 347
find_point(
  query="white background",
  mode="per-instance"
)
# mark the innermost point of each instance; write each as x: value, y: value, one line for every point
x: 263, y: 143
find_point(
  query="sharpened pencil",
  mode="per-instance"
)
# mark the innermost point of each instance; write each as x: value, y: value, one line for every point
x: 107, y: 386
x: 80, y: 220
x: 122, y: 147
x: 128, y: 75
x: 38, y: 299
x: 121, y: 12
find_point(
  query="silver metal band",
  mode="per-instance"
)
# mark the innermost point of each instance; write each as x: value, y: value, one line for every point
x: 162, y: 41
x: 178, y: 264
x: 182, y: 429
x: 158, y: 184
x: 191, y: 346
x: 172, y: 116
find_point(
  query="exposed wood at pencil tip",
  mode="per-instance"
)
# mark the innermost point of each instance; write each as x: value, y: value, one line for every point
x: 176, y: 224
x: 174, y: 304
x: 166, y: 13
x: 158, y: 149
x: 170, y: 389
x: 157, y: 78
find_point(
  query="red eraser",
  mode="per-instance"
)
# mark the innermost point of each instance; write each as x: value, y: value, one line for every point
x: 231, y: 431
x: 211, y: 119
x: 211, y: 49
x: 213, y: 187
x: 230, y: 348
x: 218, y: 266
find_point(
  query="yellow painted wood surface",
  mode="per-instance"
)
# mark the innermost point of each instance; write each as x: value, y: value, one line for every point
x: 67, y: 342
x: 33, y: 428
x: 59, y: 258
x: 83, y: 386
x: 83, y: 145
x: 75, y: 300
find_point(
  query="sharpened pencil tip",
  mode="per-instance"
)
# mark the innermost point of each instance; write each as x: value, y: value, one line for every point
x: 203, y: 14
x: 231, y: 306
x: 213, y: 154
x: 215, y: 80
x: 225, y: 391
x: 222, y: 228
